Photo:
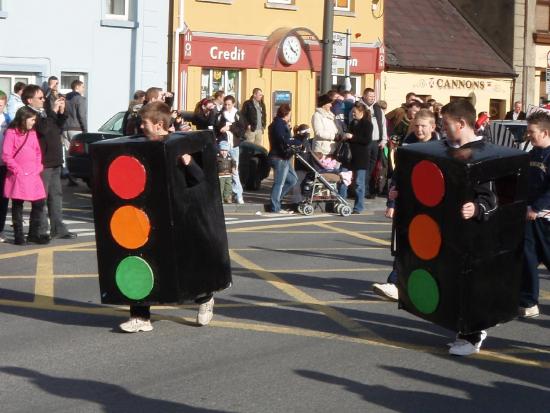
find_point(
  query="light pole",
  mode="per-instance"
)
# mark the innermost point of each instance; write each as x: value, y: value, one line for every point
x: 326, y: 69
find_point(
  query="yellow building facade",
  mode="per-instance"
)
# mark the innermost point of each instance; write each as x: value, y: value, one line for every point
x: 488, y: 94
x: 275, y: 45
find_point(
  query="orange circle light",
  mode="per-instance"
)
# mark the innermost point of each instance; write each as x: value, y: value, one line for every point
x: 424, y: 237
x: 130, y: 227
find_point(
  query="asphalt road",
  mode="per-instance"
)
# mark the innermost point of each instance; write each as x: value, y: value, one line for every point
x: 299, y: 331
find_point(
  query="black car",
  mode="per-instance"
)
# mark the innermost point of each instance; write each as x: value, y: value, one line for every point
x: 253, y: 163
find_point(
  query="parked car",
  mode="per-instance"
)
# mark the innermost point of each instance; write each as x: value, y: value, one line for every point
x: 253, y: 162
x: 78, y: 158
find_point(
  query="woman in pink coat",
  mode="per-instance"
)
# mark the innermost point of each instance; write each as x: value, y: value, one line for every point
x: 23, y: 158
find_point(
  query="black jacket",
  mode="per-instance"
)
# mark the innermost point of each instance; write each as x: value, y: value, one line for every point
x: 202, y: 121
x: 49, y: 127
x: 237, y: 128
x: 279, y: 139
x: 510, y: 115
x: 359, y: 143
x: 250, y: 116
x: 539, y: 179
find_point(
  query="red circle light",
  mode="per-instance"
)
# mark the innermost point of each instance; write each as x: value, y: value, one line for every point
x: 428, y: 183
x: 126, y: 177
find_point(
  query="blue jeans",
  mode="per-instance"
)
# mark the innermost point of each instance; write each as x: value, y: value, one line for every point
x: 285, y: 178
x: 236, y: 186
x: 360, y: 175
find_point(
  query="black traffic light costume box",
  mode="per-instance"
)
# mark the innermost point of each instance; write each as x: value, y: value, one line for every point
x: 461, y: 274
x: 160, y: 228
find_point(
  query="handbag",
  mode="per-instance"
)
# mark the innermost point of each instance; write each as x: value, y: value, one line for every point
x: 343, y: 153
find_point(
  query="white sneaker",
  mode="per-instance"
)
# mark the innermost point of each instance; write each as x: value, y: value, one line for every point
x: 134, y: 325
x: 3, y: 237
x: 465, y: 348
x: 387, y: 290
x: 240, y: 201
x: 206, y: 312
x: 529, y: 312
x: 459, y: 340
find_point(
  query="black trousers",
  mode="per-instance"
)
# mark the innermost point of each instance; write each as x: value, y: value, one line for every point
x: 37, y: 210
x: 144, y: 311
x: 3, y: 201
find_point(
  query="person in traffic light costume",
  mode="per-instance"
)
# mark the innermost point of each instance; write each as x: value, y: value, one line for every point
x: 459, y: 230
x: 165, y: 242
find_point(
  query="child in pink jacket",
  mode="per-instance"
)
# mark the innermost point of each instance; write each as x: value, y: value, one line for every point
x: 23, y: 158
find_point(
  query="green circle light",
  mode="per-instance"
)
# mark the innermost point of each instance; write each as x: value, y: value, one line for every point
x: 134, y: 278
x: 423, y: 291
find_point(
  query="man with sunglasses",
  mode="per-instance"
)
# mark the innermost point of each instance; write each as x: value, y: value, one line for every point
x: 49, y: 126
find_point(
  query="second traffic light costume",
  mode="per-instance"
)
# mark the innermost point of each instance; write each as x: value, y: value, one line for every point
x: 160, y: 228
x: 461, y: 274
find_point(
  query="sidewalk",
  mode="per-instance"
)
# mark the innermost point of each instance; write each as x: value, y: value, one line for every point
x: 258, y: 201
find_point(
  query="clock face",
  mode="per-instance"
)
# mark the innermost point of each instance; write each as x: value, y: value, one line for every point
x: 290, y: 50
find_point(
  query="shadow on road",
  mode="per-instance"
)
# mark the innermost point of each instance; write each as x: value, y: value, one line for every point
x: 111, y: 397
x: 493, y: 397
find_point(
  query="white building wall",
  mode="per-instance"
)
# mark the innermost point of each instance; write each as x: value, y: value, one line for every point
x: 54, y: 36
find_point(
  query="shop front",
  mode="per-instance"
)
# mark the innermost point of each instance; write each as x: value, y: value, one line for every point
x: 285, y: 65
x: 487, y: 94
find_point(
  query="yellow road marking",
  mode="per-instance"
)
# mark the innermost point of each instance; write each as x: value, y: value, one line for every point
x: 310, y: 270
x: 308, y: 249
x: 122, y: 311
x: 299, y: 295
x: 277, y: 226
x: 353, y: 234
x: 43, y: 284
x: 55, y: 248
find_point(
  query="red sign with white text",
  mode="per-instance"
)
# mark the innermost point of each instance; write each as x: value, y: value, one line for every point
x: 210, y: 51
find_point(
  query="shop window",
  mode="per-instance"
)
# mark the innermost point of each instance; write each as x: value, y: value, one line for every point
x: 67, y: 78
x: 497, y: 108
x: 213, y: 80
x: 355, y: 84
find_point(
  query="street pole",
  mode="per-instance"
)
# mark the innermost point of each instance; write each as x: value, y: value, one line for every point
x: 326, y: 70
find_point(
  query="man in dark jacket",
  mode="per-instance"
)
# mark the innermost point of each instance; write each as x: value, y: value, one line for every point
x: 517, y: 113
x: 77, y: 119
x: 379, y: 136
x: 76, y: 110
x: 48, y: 127
x: 255, y: 117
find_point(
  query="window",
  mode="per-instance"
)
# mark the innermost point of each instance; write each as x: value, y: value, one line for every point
x: 117, y: 9
x: 3, y: 12
x: 280, y: 1
x: 213, y: 80
x: 355, y: 83
x: 67, y: 78
x: 9, y: 79
x: 342, y: 5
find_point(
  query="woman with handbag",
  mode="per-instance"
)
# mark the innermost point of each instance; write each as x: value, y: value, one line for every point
x: 23, y: 158
x: 359, y: 137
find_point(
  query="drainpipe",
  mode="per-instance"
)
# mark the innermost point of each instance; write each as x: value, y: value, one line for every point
x: 176, y: 55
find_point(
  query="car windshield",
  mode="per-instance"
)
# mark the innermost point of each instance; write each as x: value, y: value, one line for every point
x: 114, y: 124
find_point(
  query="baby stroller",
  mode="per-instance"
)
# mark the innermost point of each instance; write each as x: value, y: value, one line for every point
x: 316, y: 187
